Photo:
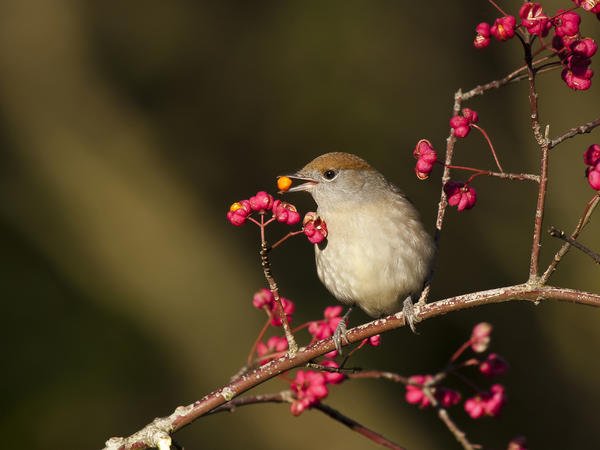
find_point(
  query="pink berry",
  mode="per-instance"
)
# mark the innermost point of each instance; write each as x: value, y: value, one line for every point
x: 414, y: 390
x: 460, y: 195
x: 314, y: 228
x: 333, y: 377
x: 534, y: 19
x: 493, y: 365
x: 482, y: 38
x: 593, y: 176
x: 592, y: 6
x: 504, y: 28
x: 261, y: 201
x: 480, y: 337
x: 566, y: 23
x: 592, y: 155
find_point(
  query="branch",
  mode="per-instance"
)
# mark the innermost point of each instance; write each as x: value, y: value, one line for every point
x: 355, y: 426
x: 231, y: 406
x: 503, y: 175
x: 583, y: 221
x: 581, y: 129
x: 460, y: 435
x: 266, y: 265
x: 554, y: 232
x: 184, y: 415
x: 543, y: 143
x: 287, y: 397
x: 496, y: 84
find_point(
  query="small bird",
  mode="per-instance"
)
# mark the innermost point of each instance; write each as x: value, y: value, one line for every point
x: 377, y: 252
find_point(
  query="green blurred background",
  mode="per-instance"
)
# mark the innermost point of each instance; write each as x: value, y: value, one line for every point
x: 127, y: 129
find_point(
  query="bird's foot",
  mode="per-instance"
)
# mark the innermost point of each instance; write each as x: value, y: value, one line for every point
x: 341, y: 331
x: 410, y: 316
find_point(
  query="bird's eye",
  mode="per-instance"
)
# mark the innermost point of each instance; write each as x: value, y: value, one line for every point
x: 329, y: 174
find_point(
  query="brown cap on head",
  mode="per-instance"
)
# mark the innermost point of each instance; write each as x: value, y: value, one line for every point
x: 337, y: 160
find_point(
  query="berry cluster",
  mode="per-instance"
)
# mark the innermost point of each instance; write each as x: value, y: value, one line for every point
x: 313, y: 227
x: 265, y: 300
x: 485, y: 402
x: 573, y: 50
x: 273, y: 348
x: 261, y: 203
x: 461, y: 123
x: 459, y: 194
x: 309, y: 387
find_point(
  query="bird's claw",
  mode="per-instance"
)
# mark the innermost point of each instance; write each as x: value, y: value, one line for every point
x: 410, y: 317
x: 340, y: 333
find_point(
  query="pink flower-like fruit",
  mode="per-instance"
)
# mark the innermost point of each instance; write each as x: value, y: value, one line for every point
x: 314, y: 228
x: 566, y: 23
x: 480, y: 337
x: 285, y: 213
x: 323, y: 329
x: 426, y: 157
x: 239, y: 212
x: 275, y: 344
x: 333, y: 377
x: 486, y: 403
x: 592, y: 6
x: 265, y: 299
x: 577, y: 75
x: 414, y: 390
x: 309, y: 388
x: 534, y: 19
x: 460, y: 195
x: 593, y: 176
x: 261, y: 201
x: 461, y: 124
x: 493, y: 365
x: 482, y: 36
x: 504, y: 28
x: 592, y: 155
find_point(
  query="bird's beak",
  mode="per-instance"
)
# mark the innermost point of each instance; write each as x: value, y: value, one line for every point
x: 308, y: 184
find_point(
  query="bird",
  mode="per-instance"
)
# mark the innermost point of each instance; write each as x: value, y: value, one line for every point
x: 377, y: 254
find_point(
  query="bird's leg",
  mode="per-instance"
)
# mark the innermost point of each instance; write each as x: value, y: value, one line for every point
x: 408, y: 310
x: 340, y: 332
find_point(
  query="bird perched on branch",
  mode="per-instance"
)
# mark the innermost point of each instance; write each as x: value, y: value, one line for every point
x: 377, y: 254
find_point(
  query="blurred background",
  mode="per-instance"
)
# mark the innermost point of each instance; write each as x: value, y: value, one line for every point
x: 128, y: 128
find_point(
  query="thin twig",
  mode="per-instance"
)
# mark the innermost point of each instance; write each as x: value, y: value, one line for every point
x: 279, y: 397
x: 555, y: 232
x: 581, y: 129
x: 261, y: 334
x: 288, y: 397
x: 355, y: 426
x: 505, y: 175
x: 285, y: 238
x: 495, y: 84
x: 583, y: 221
x: 460, y: 435
x: 489, y: 142
x: 376, y: 374
x: 495, y: 5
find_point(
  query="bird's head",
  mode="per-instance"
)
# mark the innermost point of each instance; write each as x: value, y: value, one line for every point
x: 338, y: 177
